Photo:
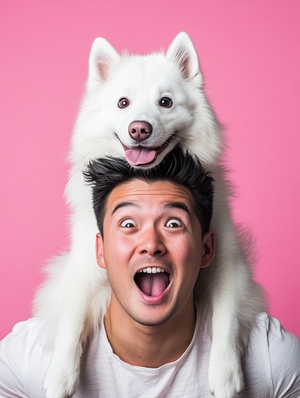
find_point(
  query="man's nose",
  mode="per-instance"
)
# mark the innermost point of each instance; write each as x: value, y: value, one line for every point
x: 151, y: 242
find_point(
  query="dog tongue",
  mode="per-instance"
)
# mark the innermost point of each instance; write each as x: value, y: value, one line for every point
x: 154, y: 284
x: 136, y: 156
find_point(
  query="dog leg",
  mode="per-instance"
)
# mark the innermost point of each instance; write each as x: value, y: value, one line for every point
x: 63, y: 374
x: 225, y: 371
x: 235, y: 297
x: 71, y: 305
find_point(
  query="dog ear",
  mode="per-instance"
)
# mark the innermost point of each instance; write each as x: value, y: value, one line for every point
x: 183, y: 53
x: 102, y: 57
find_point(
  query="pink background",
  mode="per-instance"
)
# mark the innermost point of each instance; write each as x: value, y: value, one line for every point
x: 250, y: 56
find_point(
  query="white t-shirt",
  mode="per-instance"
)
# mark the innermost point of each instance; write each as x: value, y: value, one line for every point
x: 271, y: 366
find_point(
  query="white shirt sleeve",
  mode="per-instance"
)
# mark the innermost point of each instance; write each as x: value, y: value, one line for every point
x: 272, y: 361
x: 12, y: 363
x: 284, y: 352
x: 23, y: 362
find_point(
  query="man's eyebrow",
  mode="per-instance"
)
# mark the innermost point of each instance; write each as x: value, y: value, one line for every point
x: 124, y: 204
x: 177, y: 205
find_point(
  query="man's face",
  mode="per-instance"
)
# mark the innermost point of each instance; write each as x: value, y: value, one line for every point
x: 152, y: 249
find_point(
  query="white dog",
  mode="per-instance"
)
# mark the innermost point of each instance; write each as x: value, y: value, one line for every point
x: 140, y: 107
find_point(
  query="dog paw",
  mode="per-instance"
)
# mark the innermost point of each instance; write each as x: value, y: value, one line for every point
x: 225, y: 377
x: 61, y: 382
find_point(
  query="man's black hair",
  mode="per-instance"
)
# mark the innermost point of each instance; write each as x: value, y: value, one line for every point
x: 178, y: 167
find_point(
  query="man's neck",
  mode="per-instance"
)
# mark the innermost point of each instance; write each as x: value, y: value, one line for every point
x: 149, y: 346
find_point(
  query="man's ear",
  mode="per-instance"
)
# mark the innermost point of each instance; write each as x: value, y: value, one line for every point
x: 99, y: 251
x: 208, y: 249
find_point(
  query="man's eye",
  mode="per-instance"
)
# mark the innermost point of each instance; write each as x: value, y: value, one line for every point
x: 128, y: 223
x: 173, y: 223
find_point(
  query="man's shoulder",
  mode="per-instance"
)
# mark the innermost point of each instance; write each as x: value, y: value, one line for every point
x: 270, y: 328
x: 25, y: 330
x: 269, y: 334
x: 25, y: 339
x: 30, y: 324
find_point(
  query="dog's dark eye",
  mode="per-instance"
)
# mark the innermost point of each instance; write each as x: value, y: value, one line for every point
x: 166, y: 102
x: 123, y: 103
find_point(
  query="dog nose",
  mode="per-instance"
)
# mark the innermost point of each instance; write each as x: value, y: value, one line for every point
x: 139, y: 130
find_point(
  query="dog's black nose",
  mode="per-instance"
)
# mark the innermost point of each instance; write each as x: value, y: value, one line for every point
x: 139, y: 130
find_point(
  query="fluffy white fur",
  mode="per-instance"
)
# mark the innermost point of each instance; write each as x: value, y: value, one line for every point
x: 74, y: 298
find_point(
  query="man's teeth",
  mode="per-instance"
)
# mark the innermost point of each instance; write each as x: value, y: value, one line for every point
x: 151, y: 270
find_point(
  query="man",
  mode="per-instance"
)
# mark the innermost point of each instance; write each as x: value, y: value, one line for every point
x: 154, y: 240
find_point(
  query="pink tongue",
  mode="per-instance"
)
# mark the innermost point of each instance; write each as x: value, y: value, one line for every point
x: 154, y: 284
x: 136, y: 156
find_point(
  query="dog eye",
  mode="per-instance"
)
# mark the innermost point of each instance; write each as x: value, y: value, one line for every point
x: 123, y: 103
x: 166, y: 102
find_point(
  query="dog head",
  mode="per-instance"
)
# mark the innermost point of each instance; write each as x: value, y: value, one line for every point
x: 140, y: 107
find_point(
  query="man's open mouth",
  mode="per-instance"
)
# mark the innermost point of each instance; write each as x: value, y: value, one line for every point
x: 143, y: 155
x: 152, y: 281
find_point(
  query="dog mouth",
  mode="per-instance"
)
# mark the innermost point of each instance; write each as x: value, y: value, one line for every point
x: 152, y: 281
x: 144, y: 155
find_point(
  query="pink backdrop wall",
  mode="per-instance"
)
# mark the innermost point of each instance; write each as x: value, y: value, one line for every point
x: 249, y: 52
